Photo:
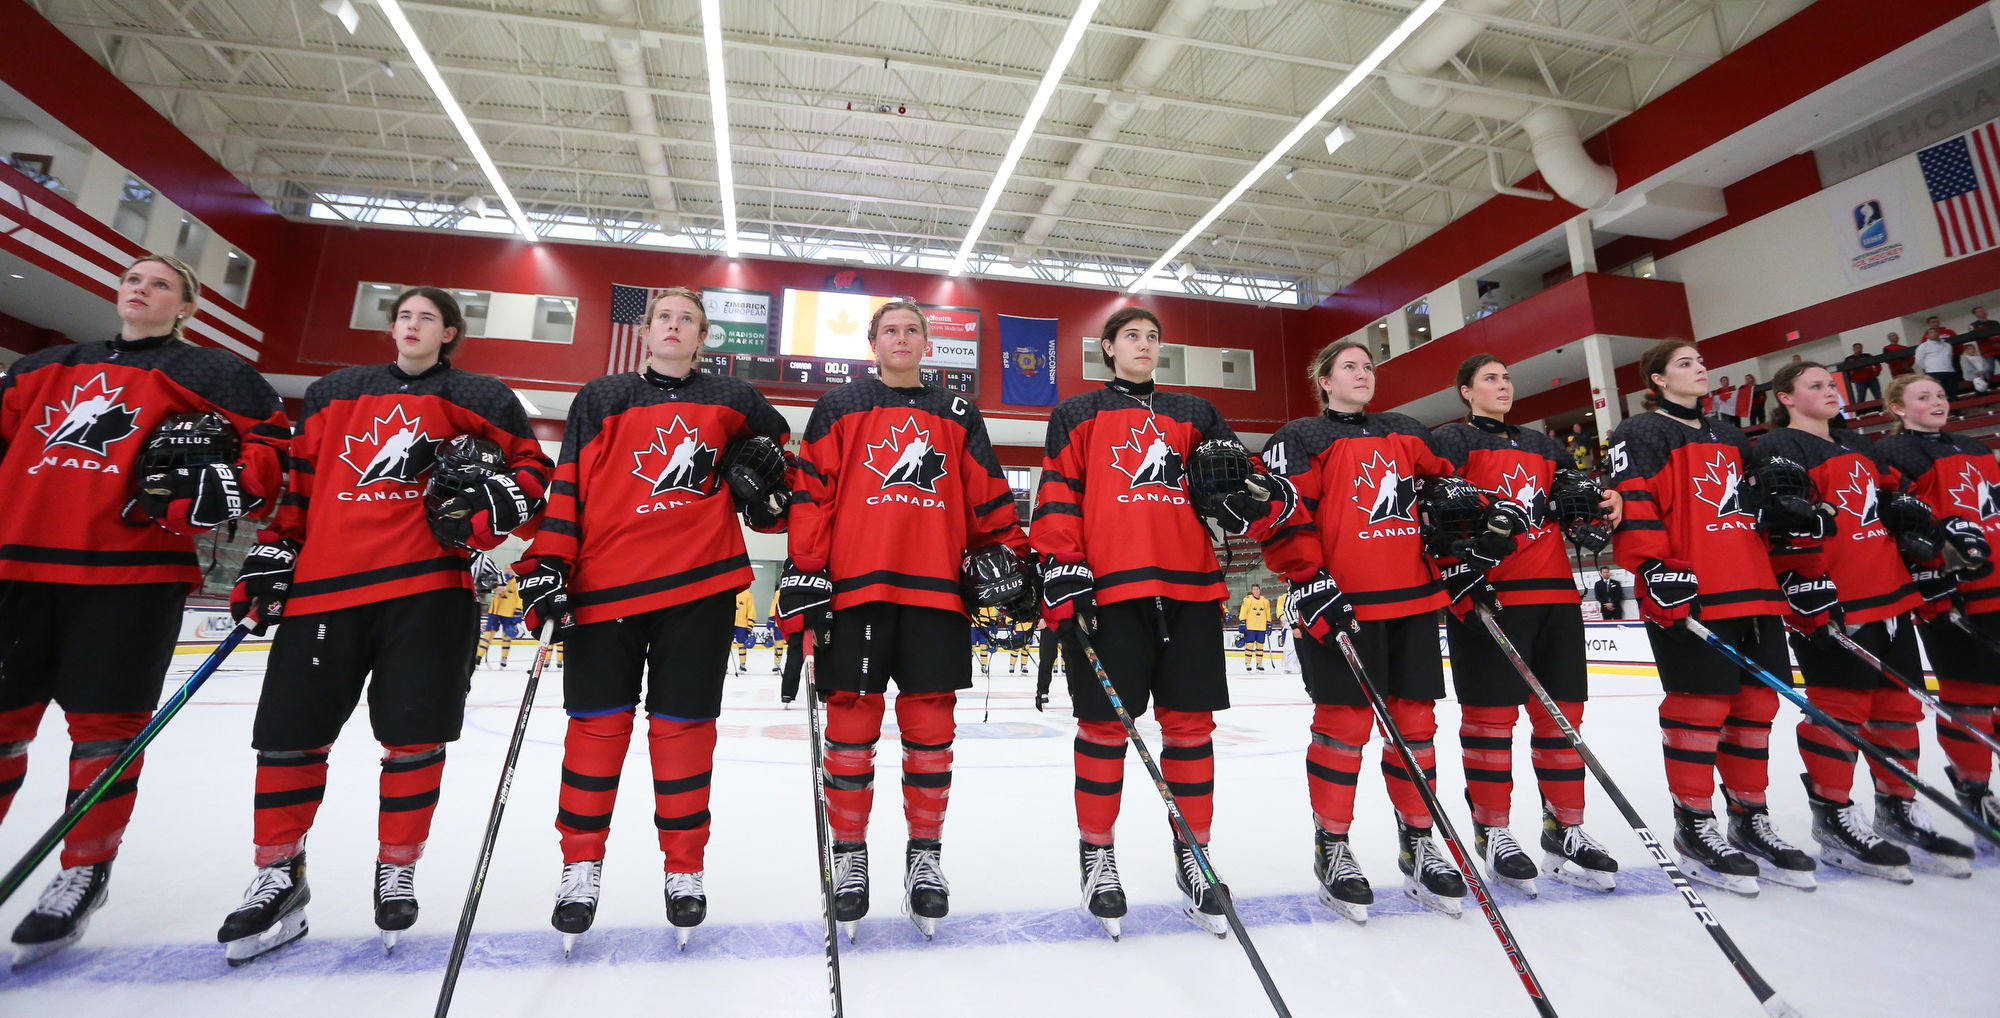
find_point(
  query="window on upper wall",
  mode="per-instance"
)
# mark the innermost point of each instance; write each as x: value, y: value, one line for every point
x: 1181, y: 364
x: 236, y: 274
x: 1022, y: 481
x: 1641, y: 268
x: 489, y: 314
x: 188, y: 243
x: 135, y: 210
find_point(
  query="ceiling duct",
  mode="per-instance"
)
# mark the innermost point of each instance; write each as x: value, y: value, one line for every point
x: 629, y: 59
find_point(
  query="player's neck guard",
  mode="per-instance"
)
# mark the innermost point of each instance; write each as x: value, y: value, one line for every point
x: 1139, y: 389
x: 1343, y: 417
x: 443, y: 364
x: 668, y: 381
x: 1686, y: 413
x: 1493, y: 426
x: 128, y: 345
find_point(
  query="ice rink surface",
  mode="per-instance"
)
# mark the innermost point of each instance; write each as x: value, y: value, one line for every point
x: 1015, y: 942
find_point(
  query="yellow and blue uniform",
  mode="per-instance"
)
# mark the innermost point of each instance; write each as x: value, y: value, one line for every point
x: 746, y: 616
x: 503, y: 616
x: 1256, y: 615
x: 1025, y: 633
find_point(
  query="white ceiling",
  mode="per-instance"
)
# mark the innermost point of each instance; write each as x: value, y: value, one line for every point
x: 870, y: 129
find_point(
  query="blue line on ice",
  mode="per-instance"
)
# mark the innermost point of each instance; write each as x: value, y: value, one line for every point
x: 884, y: 931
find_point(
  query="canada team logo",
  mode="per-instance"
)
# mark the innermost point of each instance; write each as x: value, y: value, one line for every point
x: 1147, y: 459
x: 1521, y: 487
x: 1384, y: 492
x: 395, y: 448
x: 1974, y: 494
x: 906, y: 457
x: 1722, y: 487
x: 677, y: 460
x: 1859, y: 496
x: 91, y: 419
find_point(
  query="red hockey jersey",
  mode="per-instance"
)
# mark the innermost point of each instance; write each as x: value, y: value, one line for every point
x: 366, y: 441
x: 1861, y: 559
x: 73, y: 420
x: 1519, y: 466
x: 1114, y: 492
x: 1955, y: 476
x: 1357, y: 512
x: 1682, y: 490
x: 891, y: 486
x: 638, y: 508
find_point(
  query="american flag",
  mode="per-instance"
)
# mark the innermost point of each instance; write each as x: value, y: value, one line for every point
x: 1961, y: 175
x: 628, y: 320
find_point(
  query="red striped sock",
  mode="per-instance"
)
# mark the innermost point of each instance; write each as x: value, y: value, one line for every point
x: 290, y: 785
x: 1892, y: 725
x: 1486, y: 738
x: 1100, y: 778
x: 1333, y: 763
x: 94, y: 740
x: 927, y: 729
x: 1558, y: 766
x: 683, y: 753
x: 593, y: 757
x: 1743, y: 757
x: 853, y: 726
x: 1690, y: 729
x: 1828, y: 757
x: 410, y: 779
x: 1417, y: 720
x: 1973, y: 701
x: 1187, y: 760
x: 17, y: 730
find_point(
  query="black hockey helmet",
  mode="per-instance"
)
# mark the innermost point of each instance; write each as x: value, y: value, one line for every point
x: 1578, y: 504
x: 992, y: 576
x: 754, y: 468
x: 1910, y: 521
x: 1450, y: 510
x: 463, y: 463
x: 190, y: 440
x: 1218, y: 469
x: 1780, y: 478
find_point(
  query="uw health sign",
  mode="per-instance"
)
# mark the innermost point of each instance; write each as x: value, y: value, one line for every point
x: 954, y: 336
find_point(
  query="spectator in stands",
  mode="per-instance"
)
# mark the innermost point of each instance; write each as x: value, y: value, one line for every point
x: 1988, y: 348
x: 1722, y: 402
x: 1756, y: 398
x: 1933, y: 322
x: 1972, y: 368
x: 1901, y: 365
x: 1609, y: 594
x: 1935, y: 358
x: 1861, y: 381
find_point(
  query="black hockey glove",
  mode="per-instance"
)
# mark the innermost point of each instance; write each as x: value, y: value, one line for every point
x: 1264, y: 496
x: 1468, y: 587
x: 1814, y: 601
x: 1068, y: 591
x: 807, y: 597
x: 1504, y: 519
x: 263, y: 583
x: 544, y: 590
x: 488, y: 512
x: 1787, y: 516
x: 1966, y: 552
x: 1936, y: 584
x: 1910, y: 521
x: 1667, y: 591
x: 755, y: 470
x: 195, y: 500
x: 1322, y: 609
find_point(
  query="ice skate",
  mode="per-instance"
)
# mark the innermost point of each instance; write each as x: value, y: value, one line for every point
x: 687, y: 906
x: 1505, y: 862
x: 850, y: 885
x: 62, y: 914
x: 1342, y: 886
x: 1706, y: 855
x: 1103, y: 895
x: 576, y: 901
x: 1904, y: 822
x: 1778, y: 861
x: 1428, y: 877
x: 395, y: 901
x: 1200, y: 901
x: 926, y: 895
x: 1978, y: 799
x: 1846, y: 841
x: 1574, y: 857
x: 273, y: 912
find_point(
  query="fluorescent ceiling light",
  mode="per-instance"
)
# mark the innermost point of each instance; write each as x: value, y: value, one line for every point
x: 1348, y: 84
x: 1340, y: 135
x: 1050, y: 78
x: 344, y: 12
x: 718, y: 106
x: 393, y: 10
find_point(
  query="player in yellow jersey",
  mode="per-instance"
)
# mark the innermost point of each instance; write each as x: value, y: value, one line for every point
x: 777, y: 641
x: 1256, y: 615
x: 503, y: 616
x: 982, y: 637
x: 1024, y: 640
x: 1281, y: 631
x: 746, y: 616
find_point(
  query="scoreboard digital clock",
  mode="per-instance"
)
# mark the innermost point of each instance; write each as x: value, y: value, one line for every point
x: 825, y: 372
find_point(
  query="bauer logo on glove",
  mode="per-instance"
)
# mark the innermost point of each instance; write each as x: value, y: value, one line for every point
x: 189, y: 480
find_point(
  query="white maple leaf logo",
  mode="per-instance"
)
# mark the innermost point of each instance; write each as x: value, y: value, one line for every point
x: 1974, y: 493
x: 1858, y: 497
x: 395, y: 448
x: 1721, y: 486
x: 91, y: 419
x: 677, y: 460
x: 1147, y: 458
x: 1383, y: 492
x: 1521, y: 487
x: 907, y: 457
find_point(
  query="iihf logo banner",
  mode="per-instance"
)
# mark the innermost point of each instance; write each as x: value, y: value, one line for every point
x: 1874, y: 236
x: 1028, y: 361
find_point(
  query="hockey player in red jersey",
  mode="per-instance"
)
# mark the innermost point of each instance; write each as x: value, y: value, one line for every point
x: 641, y: 546
x: 1352, y: 552
x: 74, y: 421
x: 1867, y: 590
x: 1694, y: 536
x: 1959, y: 479
x: 1125, y: 555
x: 375, y: 590
x: 1543, y: 618
x: 895, y: 482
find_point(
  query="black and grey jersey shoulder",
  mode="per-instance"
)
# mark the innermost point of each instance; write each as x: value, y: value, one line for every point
x: 218, y: 376
x: 1641, y: 447
x: 484, y: 395
x: 603, y: 398
x: 1179, y: 406
x: 872, y: 394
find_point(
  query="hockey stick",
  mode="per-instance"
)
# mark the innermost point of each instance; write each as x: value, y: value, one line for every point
x: 809, y: 657
x: 1958, y: 619
x: 458, y: 941
x: 94, y: 793
x: 1916, y: 689
x: 1874, y: 753
x: 1518, y: 958
x: 1774, y: 1005
x: 1180, y: 824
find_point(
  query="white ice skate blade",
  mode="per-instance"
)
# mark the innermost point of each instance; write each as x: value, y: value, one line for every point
x: 850, y: 928
x: 1843, y: 859
x: 389, y: 938
x: 1450, y: 908
x: 569, y: 942
x: 28, y: 954
x: 1744, y: 886
x: 1937, y: 865
x: 1218, y: 925
x: 681, y: 935
x: 925, y: 926
x: 1799, y: 880
x: 1526, y: 887
x: 1567, y: 871
x: 1353, y: 913
x: 1112, y: 928
x: 288, y: 928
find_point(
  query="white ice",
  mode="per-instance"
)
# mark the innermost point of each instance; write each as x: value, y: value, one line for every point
x: 1015, y: 942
